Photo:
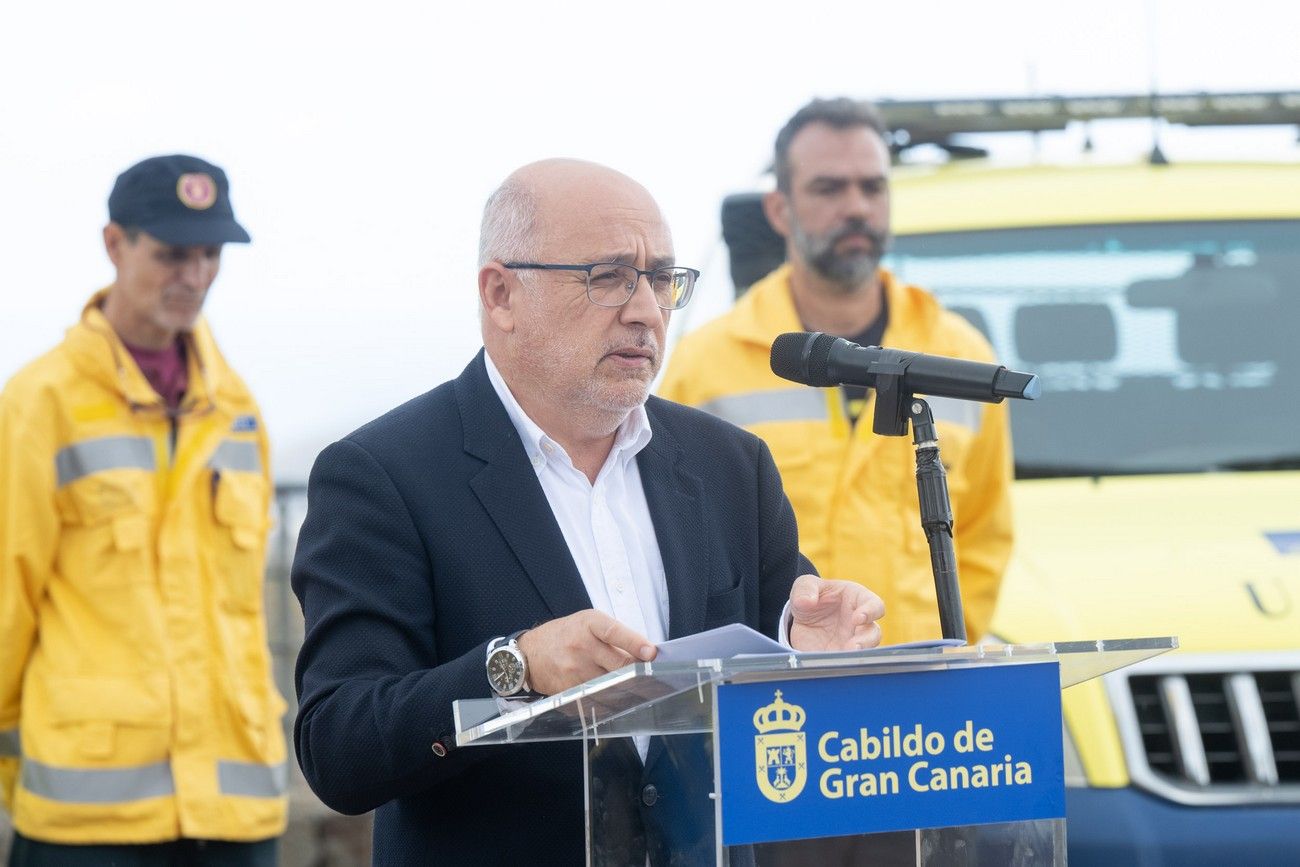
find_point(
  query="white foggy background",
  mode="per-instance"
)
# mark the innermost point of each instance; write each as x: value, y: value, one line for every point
x: 361, y: 142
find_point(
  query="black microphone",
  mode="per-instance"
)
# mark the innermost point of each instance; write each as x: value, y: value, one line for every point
x: 820, y: 360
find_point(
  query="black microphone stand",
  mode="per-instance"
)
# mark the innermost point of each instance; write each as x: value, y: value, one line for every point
x: 895, y: 408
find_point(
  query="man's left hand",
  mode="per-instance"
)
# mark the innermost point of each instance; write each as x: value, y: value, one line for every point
x: 833, y: 615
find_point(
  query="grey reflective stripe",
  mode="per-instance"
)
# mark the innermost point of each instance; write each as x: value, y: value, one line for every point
x: 98, y: 785
x: 783, y: 404
x: 237, y: 455
x: 253, y: 781
x: 109, y: 453
x: 963, y: 412
x: 10, y: 745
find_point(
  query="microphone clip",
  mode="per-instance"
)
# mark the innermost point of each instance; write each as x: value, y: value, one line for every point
x: 893, y: 402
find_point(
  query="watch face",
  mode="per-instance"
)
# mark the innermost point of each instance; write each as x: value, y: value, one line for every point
x: 505, y: 671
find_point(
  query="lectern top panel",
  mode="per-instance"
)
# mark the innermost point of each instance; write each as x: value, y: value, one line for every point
x: 650, y: 698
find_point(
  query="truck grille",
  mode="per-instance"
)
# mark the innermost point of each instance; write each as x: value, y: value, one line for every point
x: 1202, y: 730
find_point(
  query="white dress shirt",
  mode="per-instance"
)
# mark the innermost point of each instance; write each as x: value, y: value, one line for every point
x: 605, y: 523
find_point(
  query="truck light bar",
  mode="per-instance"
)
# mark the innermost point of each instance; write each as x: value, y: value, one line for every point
x: 933, y: 121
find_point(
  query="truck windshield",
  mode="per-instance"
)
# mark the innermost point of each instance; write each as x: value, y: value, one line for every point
x: 1162, y: 348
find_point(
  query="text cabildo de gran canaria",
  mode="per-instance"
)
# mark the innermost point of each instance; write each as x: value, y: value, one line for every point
x: 933, y: 772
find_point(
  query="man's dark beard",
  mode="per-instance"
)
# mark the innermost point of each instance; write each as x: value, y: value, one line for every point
x: 849, y: 270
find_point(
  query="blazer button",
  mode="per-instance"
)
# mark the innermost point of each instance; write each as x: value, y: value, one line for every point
x: 439, y: 749
x: 649, y: 795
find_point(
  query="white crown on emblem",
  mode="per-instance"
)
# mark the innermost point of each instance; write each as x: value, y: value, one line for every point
x: 779, y: 716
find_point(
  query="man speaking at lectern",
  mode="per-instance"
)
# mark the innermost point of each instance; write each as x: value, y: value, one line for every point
x: 540, y: 510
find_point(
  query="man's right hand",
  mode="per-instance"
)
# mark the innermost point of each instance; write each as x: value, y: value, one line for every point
x: 565, y: 652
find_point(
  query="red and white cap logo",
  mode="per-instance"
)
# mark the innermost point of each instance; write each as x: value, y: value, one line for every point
x: 196, y: 190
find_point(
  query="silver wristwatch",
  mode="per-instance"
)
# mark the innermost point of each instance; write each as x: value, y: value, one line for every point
x: 507, y: 669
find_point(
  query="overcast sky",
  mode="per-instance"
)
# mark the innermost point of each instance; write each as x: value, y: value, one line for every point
x: 361, y: 141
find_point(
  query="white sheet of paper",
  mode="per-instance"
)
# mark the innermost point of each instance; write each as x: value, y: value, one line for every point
x: 723, y: 642
x: 737, y: 639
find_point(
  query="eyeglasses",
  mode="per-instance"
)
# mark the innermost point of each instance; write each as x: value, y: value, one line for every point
x: 610, y: 284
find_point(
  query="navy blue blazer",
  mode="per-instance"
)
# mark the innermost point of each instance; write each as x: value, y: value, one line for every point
x: 427, y: 535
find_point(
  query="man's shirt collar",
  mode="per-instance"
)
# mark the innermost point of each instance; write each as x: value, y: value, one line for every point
x: 632, y: 435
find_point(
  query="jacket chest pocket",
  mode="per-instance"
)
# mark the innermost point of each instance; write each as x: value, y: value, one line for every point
x: 240, y: 504
x: 107, y: 530
x: 723, y: 608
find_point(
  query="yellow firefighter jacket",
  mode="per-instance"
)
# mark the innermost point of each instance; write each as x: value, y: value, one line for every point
x: 136, y: 700
x: 854, y: 493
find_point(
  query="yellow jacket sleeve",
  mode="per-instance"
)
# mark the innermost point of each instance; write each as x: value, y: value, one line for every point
x: 29, y: 527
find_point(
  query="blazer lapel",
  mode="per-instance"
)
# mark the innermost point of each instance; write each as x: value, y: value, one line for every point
x: 676, y: 503
x: 507, y: 487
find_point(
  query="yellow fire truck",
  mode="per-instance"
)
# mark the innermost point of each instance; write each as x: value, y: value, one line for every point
x: 1158, y: 477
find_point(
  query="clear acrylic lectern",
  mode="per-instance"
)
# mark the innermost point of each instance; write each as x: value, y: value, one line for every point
x: 675, y: 703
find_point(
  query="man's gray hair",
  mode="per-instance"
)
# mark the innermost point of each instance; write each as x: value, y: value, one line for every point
x: 509, y: 229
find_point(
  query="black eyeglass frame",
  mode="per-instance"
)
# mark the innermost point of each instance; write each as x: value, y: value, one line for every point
x: 648, y: 274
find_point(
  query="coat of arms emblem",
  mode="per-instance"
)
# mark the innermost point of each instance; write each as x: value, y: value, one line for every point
x: 780, y: 752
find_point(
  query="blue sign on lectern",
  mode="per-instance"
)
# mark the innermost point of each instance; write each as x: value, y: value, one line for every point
x: 824, y: 757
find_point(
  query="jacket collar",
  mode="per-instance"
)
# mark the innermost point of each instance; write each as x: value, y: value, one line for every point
x: 99, y: 354
x: 632, y: 435
x: 509, y: 490
x: 767, y: 310
x: 676, y: 500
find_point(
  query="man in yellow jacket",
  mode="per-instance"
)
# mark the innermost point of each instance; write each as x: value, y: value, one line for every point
x: 854, y: 493
x: 138, y: 720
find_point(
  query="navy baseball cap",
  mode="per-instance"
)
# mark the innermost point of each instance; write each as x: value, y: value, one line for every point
x: 179, y: 199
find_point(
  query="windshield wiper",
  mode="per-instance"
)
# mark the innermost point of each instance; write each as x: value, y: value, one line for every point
x: 1067, y: 471
x: 1062, y: 471
x: 1276, y: 462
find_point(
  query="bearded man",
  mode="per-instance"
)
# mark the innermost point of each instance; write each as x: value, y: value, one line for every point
x: 854, y: 493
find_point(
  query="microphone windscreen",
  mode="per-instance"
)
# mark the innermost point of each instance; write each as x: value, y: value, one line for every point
x: 788, y: 355
x: 819, y: 358
x: 803, y: 356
